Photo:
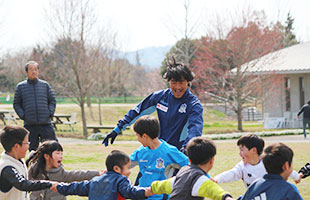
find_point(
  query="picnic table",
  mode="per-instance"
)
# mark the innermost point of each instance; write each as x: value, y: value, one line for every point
x: 2, y: 115
x: 59, y: 119
x: 96, y: 128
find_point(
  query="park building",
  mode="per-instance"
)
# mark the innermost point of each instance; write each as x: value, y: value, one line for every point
x: 288, y: 88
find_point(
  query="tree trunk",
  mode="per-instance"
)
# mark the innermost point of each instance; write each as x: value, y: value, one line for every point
x: 99, y: 109
x: 239, y: 115
x: 83, y: 119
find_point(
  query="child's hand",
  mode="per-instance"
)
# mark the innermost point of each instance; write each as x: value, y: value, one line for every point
x: 148, y: 192
x: 229, y: 198
x: 102, y: 172
x: 54, y: 186
x: 299, y: 179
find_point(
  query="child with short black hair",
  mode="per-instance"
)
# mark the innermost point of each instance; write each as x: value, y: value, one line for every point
x: 278, y: 161
x: 191, y: 181
x: 14, y: 182
x: 46, y: 164
x: 251, y: 166
x: 114, y: 184
x: 154, y: 155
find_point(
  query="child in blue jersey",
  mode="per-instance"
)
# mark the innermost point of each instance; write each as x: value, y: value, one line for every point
x: 278, y: 161
x: 154, y: 155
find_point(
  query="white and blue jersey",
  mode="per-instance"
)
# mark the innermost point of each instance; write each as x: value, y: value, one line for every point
x: 180, y: 119
x: 152, y: 163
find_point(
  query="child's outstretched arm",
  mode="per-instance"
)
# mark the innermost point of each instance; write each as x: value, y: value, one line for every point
x: 79, y: 175
x: 128, y: 191
x: 75, y: 188
x: 13, y: 178
x: 231, y: 175
x: 163, y: 187
x: 204, y: 187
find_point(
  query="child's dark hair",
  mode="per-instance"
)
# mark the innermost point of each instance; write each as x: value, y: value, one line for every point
x: 252, y: 140
x: 37, y: 160
x: 11, y: 135
x: 200, y: 150
x: 177, y: 71
x: 147, y: 124
x: 275, y: 157
x: 116, y: 158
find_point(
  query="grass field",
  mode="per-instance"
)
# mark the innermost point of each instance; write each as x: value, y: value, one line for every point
x: 214, y: 121
x: 92, y: 156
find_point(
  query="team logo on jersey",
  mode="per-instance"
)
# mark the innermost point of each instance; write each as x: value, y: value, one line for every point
x: 182, y: 108
x: 160, y: 163
x: 162, y: 107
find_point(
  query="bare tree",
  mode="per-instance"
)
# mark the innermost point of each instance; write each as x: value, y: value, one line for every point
x: 73, y: 24
x: 185, y: 49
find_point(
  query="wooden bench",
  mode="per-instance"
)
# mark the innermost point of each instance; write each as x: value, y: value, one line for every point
x: 96, y: 128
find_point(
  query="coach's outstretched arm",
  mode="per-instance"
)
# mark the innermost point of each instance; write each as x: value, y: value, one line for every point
x: 111, y: 135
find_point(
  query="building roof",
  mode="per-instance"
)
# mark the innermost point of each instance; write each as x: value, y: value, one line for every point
x: 291, y: 60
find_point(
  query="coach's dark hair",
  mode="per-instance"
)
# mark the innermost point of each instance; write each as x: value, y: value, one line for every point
x: 308, y: 102
x: 37, y: 160
x: 200, y: 150
x: 147, y: 124
x: 11, y: 135
x: 252, y: 140
x: 177, y: 71
x: 116, y: 158
x: 275, y: 157
x: 31, y: 63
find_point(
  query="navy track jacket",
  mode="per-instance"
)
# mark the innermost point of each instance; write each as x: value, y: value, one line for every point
x: 180, y: 119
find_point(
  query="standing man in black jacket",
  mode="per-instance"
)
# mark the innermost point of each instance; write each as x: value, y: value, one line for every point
x: 306, y: 118
x: 35, y: 103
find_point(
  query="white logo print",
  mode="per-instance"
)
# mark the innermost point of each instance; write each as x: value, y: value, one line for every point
x: 182, y: 108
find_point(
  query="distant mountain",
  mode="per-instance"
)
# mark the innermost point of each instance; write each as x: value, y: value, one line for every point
x: 150, y: 57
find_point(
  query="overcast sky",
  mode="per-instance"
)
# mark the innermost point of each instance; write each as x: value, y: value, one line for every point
x: 143, y: 23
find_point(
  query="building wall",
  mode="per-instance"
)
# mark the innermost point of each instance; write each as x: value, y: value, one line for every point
x: 274, y: 99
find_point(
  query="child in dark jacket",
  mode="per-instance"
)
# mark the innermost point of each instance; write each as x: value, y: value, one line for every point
x: 45, y: 164
x: 113, y: 185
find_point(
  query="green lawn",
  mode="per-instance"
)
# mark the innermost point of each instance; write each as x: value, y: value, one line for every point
x: 214, y: 121
x: 82, y: 156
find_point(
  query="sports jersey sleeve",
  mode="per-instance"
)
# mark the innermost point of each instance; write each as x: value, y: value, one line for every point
x: 178, y: 157
x: 231, y: 175
x: 294, y: 175
x: 128, y: 191
x: 75, y: 188
x: 204, y: 187
x: 13, y: 177
x: 145, y: 107
x: 134, y: 157
x: 195, y: 122
x: 163, y: 187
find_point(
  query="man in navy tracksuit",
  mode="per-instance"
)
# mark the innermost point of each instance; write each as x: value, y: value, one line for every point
x: 278, y: 163
x: 35, y: 103
x: 179, y: 111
